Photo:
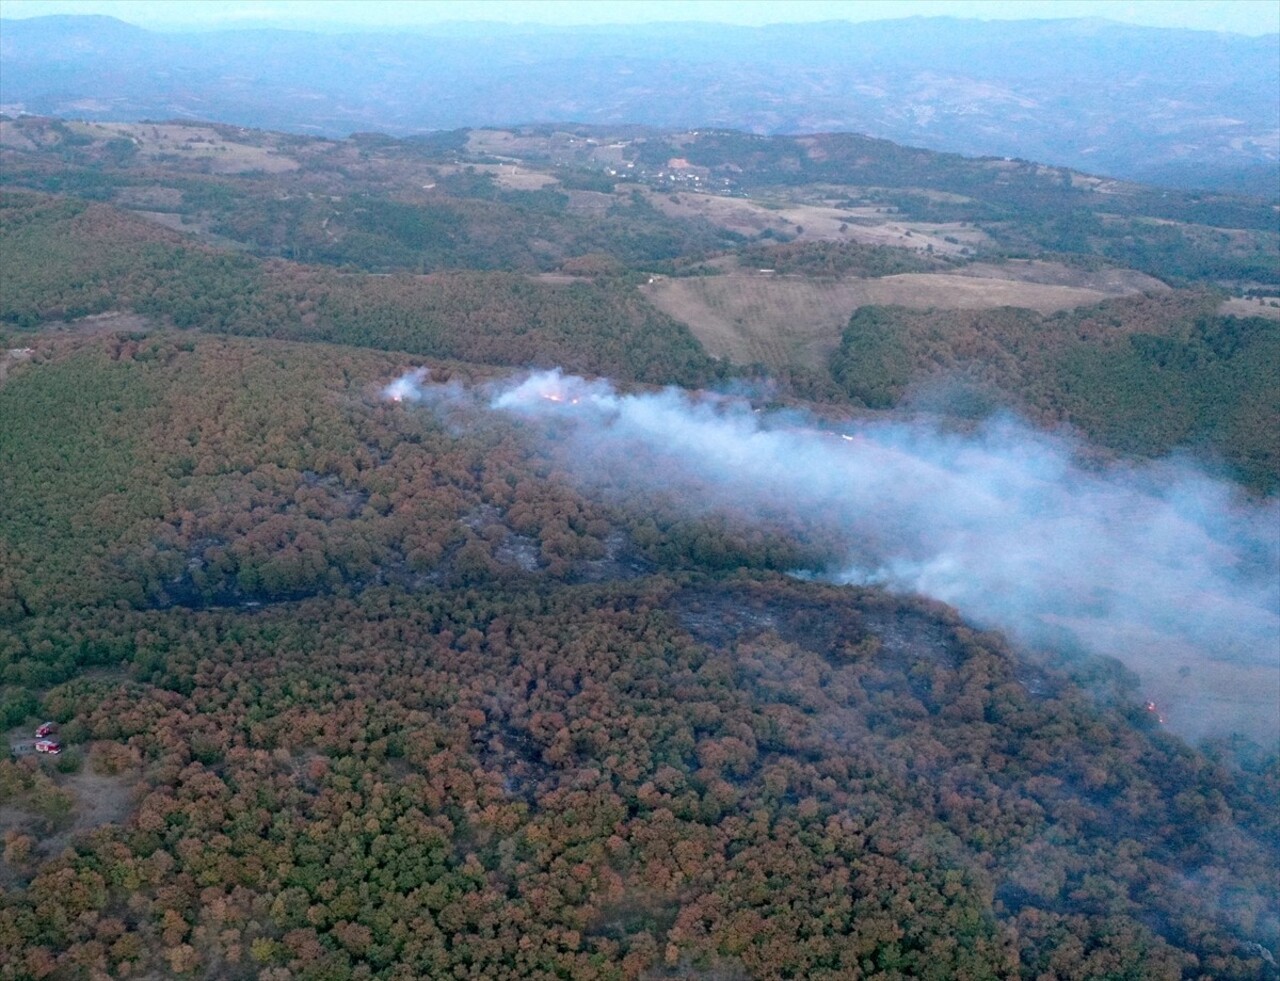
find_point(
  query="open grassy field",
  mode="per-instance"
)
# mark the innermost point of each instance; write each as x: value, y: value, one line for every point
x: 1239, y: 306
x: 758, y: 318
x: 1193, y: 688
x: 225, y: 156
x: 818, y: 222
x: 514, y: 176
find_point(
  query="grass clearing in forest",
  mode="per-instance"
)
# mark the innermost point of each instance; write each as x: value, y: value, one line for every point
x: 1241, y: 306
x: 743, y: 316
x: 225, y: 156
x: 819, y: 222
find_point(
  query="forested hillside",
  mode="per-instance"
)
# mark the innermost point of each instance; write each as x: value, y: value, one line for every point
x: 72, y: 260
x: 1145, y: 375
x: 549, y: 246
x: 382, y: 694
x: 352, y: 685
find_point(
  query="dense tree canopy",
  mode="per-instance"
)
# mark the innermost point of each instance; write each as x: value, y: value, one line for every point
x: 1145, y: 375
x: 387, y: 701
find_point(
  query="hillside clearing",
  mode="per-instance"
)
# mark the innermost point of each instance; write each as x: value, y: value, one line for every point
x: 817, y: 222
x: 225, y: 156
x: 754, y: 318
x: 1240, y: 306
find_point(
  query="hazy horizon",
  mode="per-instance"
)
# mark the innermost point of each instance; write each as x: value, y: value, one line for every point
x: 1247, y: 17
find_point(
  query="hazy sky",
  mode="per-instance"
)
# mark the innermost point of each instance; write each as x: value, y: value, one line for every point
x: 1240, y: 16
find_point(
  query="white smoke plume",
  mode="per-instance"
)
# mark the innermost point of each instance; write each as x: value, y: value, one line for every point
x: 408, y: 387
x: 1174, y: 573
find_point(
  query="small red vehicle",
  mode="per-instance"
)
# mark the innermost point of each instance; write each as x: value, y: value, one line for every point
x: 50, y: 746
x: 48, y: 729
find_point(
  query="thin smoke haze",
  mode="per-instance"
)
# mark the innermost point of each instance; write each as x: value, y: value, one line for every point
x: 1163, y: 567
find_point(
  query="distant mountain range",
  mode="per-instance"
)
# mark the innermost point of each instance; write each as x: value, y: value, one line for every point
x: 1188, y: 109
